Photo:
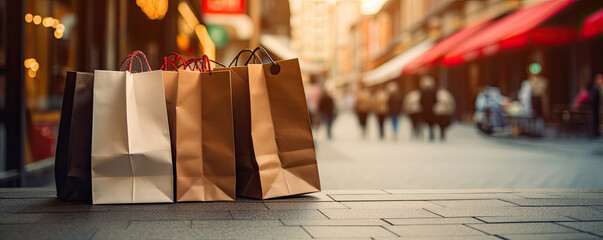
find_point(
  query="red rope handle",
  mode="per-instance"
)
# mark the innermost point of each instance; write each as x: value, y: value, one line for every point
x: 131, y: 56
x: 164, y: 65
x: 203, y: 64
x: 173, y: 61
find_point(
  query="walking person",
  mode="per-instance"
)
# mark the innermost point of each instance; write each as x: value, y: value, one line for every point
x: 380, y: 108
x: 313, y: 94
x: 540, y: 101
x: 394, y: 106
x: 412, y: 109
x: 326, y: 107
x: 444, y: 110
x: 363, y: 107
x: 428, y: 100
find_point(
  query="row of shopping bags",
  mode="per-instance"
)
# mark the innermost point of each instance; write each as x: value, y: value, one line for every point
x: 185, y: 133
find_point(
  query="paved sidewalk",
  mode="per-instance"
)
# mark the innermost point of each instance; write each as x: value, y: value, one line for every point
x: 467, y: 159
x: 35, y: 213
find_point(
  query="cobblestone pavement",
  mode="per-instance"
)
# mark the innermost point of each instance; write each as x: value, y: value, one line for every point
x: 466, y: 159
x: 35, y: 213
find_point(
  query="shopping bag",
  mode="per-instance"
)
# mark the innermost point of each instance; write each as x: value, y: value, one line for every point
x: 72, y: 160
x: 131, y: 158
x: 280, y: 131
x: 203, y: 135
x: 247, y: 177
x: 170, y: 67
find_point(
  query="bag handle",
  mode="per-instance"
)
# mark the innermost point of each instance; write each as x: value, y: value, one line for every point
x: 172, y: 62
x: 236, y: 59
x: 203, y: 64
x: 274, y: 69
x: 137, y: 54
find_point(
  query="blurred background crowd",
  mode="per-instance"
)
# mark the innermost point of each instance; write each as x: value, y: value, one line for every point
x: 397, y: 70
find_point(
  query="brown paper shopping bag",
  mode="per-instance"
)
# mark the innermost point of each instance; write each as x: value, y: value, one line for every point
x: 131, y: 157
x: 72, y: 161
x: 202, y: 129
x: 280, y: 130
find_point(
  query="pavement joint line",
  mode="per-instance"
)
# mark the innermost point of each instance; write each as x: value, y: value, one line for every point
x: 307, y: 232
x: 390, y: 231
x: 576, y: 229
x: 501, y: 237
x: 281, y: 221
x: 230, y: 214
x: 464, y: 224
x: 433, y: 212
x: 323, y: 214
x: 508, y: 201
x: 433, y: 202
x: 478, y: 219
x: 329, y: 195
x: 390, y: 224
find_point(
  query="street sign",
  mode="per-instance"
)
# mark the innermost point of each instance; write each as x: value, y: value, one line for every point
x: 224, y: 6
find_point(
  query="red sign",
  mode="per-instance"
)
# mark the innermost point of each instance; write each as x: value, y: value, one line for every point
x: 224, y: 6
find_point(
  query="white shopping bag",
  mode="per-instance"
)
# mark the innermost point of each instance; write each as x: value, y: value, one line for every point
x: 131, y: 156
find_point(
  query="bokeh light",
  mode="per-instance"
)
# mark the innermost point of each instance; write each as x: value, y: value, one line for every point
x: 28, y: 18
x: 37, y: 19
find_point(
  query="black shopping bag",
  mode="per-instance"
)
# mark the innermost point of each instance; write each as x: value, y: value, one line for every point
x: 72, y: 161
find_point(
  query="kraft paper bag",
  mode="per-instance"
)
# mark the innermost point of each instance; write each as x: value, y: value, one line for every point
x: 280, y: 130
x: 131, y: 152
x: 203, y: 140
x: 72, y: 161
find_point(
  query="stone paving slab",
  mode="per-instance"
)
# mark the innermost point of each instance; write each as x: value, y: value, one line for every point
x: 431, y: 221
x: 557, y: 202
x: 474, y: 203
x: 521, y: 228
x: 592, y: 227
x: 551, y: 236
x: 340, y: 214
x: 348, y: 231
x: 336, y: 222
x: 390, y: 205
x: 526, y: 219
x: 421, y: 196
x: 435, y: 230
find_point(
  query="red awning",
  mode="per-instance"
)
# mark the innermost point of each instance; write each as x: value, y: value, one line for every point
x: 431, y: 57
x: 593, y: 25
x: 513, y: 31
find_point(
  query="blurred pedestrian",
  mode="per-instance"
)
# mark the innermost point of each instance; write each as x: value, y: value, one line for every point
x: 540, y: 101
x: 412, y: 109
x: 326, y: 108
x: 444, y: 110
x: 380, y: 108
x: 313, y: 95
x: 428, y: 100
x: 394, y: 106
x: 363, y: 107
x: 595, y: 99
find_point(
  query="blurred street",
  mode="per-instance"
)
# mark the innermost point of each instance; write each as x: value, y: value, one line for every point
x: 467, y: 159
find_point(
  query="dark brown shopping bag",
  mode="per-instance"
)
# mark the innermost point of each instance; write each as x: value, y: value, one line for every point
x: 72, y: 161
x: 280, y: 130
x: 203, y: 135
x: 246, y: 168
